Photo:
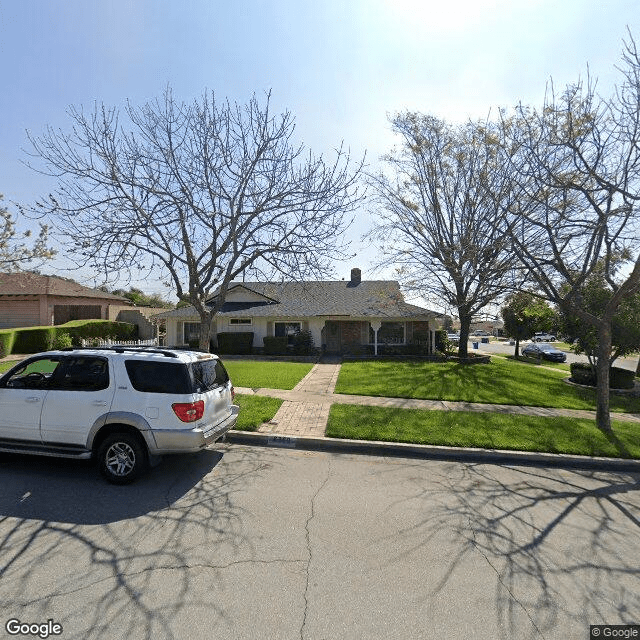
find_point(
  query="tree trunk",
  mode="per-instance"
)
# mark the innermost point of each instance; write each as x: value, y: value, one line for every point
x: 465, y: 326
x: 516, y: 351
x: 205, y: 331
x: 603, y: 416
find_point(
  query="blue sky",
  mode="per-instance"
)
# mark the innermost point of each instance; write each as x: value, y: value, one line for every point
x: 340, y: 66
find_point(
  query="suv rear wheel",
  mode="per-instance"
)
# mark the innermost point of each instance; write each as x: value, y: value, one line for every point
x: 122, y: 458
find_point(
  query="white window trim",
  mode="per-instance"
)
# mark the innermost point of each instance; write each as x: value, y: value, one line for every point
x: 240, y: 322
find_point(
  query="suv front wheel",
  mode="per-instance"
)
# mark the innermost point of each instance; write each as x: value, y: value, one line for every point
x: 122, y: 458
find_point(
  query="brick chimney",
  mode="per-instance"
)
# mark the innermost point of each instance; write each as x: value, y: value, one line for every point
x: 356, y: 276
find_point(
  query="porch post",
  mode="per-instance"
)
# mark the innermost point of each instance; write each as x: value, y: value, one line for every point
x: 375, y: 325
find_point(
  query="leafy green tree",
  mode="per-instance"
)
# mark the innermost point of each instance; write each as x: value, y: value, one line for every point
x: 141, y: 299
x: 524, y: 314
x: 625, y: 324
x: 578, y: 210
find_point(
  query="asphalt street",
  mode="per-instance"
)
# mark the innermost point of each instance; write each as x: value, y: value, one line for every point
x: 504, y: 348
x: 242, y: 542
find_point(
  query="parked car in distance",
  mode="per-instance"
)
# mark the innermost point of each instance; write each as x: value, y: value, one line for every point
x: 544, y: 350
x: 543, y: 337
x: 480, y: 332
x: 453, y: 337
x: 122, y: 406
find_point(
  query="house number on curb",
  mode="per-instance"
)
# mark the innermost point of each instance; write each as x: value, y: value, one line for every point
x: 281, y: 441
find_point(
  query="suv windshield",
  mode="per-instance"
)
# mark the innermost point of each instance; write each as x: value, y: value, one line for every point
x: 208, y: 374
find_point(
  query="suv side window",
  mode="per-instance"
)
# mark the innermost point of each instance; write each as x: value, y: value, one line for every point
x: 36, y: 374
x: 84, y: 373
x: 208, y: 374
x: 158, y: 377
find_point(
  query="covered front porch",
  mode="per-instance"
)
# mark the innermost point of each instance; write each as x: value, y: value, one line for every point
x: 377, y: 337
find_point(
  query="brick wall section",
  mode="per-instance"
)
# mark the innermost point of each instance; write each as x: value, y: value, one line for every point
x: 416, y: 327
x: 351, y: 334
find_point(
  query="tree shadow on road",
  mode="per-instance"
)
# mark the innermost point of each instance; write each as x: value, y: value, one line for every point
x: 143, y: 552
x: 563, y: 544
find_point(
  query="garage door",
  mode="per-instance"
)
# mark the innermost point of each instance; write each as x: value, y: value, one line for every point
x: 19, y: 313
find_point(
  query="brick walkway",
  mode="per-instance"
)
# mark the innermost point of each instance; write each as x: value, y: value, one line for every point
x: 306, y: 414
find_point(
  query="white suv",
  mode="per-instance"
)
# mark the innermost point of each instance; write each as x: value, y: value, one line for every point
x: 121, y: 405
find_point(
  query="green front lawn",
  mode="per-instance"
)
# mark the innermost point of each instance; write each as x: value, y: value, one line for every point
x: 265, y: 374
x: 501, y: 382
x: 254, y: 410
x: 483, y: 430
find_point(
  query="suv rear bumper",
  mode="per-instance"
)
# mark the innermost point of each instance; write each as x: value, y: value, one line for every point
x: 190, y: 440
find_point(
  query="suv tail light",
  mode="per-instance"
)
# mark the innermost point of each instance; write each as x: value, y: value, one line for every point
x: 189, y: 411
x: 233, y: 393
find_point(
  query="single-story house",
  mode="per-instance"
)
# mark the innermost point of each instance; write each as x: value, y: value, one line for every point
x: 30, y: 299
x: 342, y: 316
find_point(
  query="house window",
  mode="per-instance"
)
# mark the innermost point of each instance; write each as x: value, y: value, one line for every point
x: 240, y: 321
x: 191, y: 332
x: 389, y: 333
x: 287, y: 329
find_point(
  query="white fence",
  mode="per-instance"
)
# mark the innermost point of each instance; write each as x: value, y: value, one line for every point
x: 98, y: 342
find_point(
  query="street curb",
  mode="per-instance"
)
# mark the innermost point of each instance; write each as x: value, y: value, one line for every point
x: 421, y: 451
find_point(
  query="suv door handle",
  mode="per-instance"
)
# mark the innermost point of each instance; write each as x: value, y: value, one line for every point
x: 99, y: 403
x: 33, y: 399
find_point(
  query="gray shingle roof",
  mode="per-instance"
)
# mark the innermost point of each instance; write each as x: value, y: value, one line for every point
x: 375, y: 299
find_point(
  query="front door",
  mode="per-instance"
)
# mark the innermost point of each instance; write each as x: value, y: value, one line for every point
x: 332, y: 328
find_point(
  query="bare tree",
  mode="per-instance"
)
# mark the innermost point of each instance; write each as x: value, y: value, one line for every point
x: 442, y: 214
x: 578, y: 159
x: 197, y: 193
x: 14, y: 254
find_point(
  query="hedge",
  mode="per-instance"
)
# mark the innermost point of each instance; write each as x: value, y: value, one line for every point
x: 275, y: 345
x: 7, y: 338
x: 36, y: 339
x: 236, y: 343
x: 583, y: 373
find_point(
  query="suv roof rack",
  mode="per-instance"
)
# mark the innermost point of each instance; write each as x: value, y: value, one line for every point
x: 122, y: 348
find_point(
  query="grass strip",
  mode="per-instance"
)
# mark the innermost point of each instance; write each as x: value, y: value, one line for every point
x: 264, y: 374
x: 483, y: 430
x: 255, y: 410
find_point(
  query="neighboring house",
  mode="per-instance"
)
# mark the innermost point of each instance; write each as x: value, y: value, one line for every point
x: 29, y: 299
x: 342, y: 316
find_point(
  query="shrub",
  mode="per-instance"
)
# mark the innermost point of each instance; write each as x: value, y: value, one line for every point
x: 62, y: 341
x: 442, y: 341
x: 274, y: 345
x: 7, y: 338
x: 34, y: 339
x: 584, y: 373
x: 87, y: 329
x: 237, y: 343
x: 621, y: 378
x: 303, y: 344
